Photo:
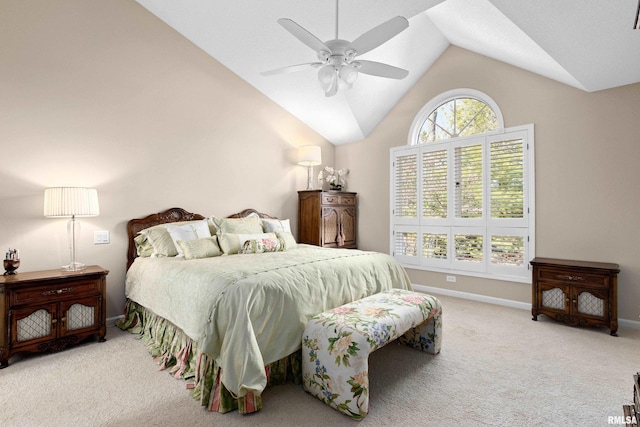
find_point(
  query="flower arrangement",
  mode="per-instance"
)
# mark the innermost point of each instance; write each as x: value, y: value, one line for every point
x: 334, y: 177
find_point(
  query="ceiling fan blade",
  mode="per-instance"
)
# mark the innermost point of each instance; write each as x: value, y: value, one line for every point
x: 291, y: 68
x: 381, y: 70
x: 303, y: 35
x: 380, y: 34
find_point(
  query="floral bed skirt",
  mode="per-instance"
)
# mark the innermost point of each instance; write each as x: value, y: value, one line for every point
x: 173, y: 350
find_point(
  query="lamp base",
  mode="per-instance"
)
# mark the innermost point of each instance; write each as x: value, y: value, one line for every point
x: 309, y: 180
x: 74, y: 266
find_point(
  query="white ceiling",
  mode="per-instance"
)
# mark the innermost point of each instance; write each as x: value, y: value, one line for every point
x: 587, y: 44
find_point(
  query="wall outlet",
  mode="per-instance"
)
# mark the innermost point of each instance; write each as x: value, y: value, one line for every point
x: 101, y: 237
x: 451, y: 278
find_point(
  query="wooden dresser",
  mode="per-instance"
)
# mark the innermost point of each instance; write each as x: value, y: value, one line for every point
x: 576, y: 292
x: 50, y: 310
x: 327, y: 218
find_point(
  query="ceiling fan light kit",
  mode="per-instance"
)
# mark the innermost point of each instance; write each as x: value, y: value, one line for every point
x: 338, y: 66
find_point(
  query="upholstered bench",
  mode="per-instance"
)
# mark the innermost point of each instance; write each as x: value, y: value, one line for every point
x: 336, y: 344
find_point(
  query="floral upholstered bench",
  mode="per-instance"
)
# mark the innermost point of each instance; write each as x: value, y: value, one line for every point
x: 336, y: 344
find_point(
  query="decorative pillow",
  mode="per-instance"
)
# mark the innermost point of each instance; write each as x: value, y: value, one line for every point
x: 250, y: 224
x: 189, y: 231
x: 287, y: 240
x: 161, y: 241
x: 274, y: 225
x: 143, y: 247
x: 232, y: 243
x: 258, y: 246
x: 200, y: 248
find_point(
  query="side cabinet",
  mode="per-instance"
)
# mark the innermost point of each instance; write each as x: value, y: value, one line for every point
x: 327, y: 218
x: 576, y: 292
x: 50, y: 310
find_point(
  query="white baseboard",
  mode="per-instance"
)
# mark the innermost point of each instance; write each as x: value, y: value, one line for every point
x: 111, y: 321
x: 633, y: 324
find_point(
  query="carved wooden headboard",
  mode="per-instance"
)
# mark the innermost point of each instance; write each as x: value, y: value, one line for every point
x: 134, y: 226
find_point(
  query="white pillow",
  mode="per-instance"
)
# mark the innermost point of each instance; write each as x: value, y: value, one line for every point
x: 191, y: 231
x: 249, y: 224
x: 200, y: 248
x: 160, y: 239
x: 287, y: 240
x: 274, y: 225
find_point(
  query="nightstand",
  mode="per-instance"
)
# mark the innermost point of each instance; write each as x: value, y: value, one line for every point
x: 49, y: 310
x: 576, y: 292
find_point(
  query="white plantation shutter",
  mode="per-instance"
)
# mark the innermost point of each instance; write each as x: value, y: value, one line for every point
x: 434, y: 184
x: 507, y: 250
x: 406, y: 245
x: 469, y: 244
x: 435, y: 245
x: 507, y: 179
x: 468, y: 181
x: 463, y: 205
x: 405, y: 186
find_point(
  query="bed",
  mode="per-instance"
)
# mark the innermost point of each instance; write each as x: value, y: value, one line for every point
x: 231, y: 323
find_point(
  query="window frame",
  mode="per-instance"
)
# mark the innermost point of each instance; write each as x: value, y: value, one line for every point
x: 487, y: 226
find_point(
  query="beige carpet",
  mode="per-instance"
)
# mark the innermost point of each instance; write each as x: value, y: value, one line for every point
x: 497, y: 368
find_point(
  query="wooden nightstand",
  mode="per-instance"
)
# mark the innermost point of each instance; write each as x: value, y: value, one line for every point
x: 50, y: 310
x: 576, y: 292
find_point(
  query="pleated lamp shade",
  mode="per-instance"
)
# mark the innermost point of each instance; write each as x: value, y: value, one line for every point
x: 70, y: 201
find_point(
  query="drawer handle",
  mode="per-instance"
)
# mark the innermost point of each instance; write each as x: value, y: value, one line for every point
x: 571, y: 278
x: 57, y: 291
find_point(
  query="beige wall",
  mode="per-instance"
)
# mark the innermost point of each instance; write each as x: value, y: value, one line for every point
x: 587, y: 149
x: 105, y: 95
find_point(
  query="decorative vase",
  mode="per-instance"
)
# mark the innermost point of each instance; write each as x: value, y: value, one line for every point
x: 10, y: 266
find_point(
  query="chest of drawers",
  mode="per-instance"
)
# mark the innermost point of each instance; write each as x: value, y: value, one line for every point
x: 327, y: 218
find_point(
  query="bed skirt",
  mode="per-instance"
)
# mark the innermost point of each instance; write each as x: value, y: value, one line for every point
x: 174, y: 351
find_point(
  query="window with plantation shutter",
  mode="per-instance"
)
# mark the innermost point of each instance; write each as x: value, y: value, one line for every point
x: 464, y: 204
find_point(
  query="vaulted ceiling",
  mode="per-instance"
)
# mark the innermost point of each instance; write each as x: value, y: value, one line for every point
x: 587, y: 44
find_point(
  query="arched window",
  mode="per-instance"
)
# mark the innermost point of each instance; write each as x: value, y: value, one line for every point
x: 462, y: 190
x: 454, y: 114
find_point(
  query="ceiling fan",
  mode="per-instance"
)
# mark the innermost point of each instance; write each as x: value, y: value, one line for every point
x: 337, y: 61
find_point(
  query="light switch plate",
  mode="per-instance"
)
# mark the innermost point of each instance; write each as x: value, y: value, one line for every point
x: 101, y: 237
